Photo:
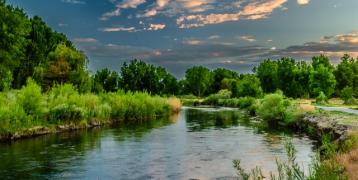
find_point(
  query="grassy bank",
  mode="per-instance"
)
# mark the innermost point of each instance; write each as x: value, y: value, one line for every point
x: 337, y: 155
x: 25, y: 111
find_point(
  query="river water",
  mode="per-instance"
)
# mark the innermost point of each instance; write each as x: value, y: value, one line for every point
x: 199, y: 143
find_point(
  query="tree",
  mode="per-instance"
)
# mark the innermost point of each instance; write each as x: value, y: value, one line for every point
x: 105, y: 80
x: 66, y: 65
x: 249, y: 86
x: 322, y: 80
x: 267, y: 73
x: 198, y: 80
x: 321, y: 60
x: 140, y: 76
x: 347, y: 95
x: 218, y: 76
x: 346, y: 74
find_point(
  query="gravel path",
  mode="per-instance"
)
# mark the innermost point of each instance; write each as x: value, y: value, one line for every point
x: 340, y: 109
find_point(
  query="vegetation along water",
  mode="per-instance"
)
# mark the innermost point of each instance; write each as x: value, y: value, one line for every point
x: 46, y: 88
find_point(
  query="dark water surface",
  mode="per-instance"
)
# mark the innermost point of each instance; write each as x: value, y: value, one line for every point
x: 198, y: 144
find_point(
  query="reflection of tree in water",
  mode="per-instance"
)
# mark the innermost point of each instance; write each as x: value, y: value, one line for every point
x: 41, y: 157
x: 48, y: 157
x: 198, y: 120
x: 138, y: 129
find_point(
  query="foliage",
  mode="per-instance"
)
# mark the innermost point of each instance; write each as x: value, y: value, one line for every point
x: 292, y: 170
x: 248, y: 86
x: 321, y: 98
x: 347, y: 95
x: 198, y: 80
x: 273, y: 108
x: 31, y: 99
x: 28, y: 107
x: 105, y: 80
x: 322, y: 80
x: 140, y: 76
x: 221, y: 79
x: 213, y: 99
x: 5, y: 80
x: 267, y: 73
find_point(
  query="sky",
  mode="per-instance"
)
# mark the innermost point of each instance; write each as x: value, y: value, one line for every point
x: 178, y: 34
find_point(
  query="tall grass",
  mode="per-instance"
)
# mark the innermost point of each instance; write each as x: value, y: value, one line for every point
x: 318, y: 170
x: 29, y: 107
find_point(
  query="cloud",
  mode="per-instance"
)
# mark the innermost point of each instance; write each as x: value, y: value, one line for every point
x: 73, y: 1
x: 303, y: 2
x: 351, y: 38
x: 119, y: 29
x: 122, y: 5
x: 192, y: 42
x: 212, y: 54
x: 151, y: 27
x: 85, y: 40
x: 214, y: 37
x: 155, y: 27
x: 248, y: 38
x: 252, y: 11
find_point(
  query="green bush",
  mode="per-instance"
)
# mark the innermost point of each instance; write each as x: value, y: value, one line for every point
x: 30, y: 99
x: 347, y: 95
x: 214, y: 98
x: 66, y: 112
x: 273, y: 108
x: 321, y: 98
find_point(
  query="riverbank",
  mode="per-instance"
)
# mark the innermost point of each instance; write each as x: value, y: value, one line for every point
x: 28, y: 112
x: 337, y: 131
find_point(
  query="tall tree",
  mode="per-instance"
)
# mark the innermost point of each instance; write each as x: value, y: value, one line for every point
x: 106, y: 80
x: 267, y: 73
x: 198, y: 80
x: 322, y: 80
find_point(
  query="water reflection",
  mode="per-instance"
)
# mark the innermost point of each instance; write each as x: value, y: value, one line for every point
x: 198, y: 143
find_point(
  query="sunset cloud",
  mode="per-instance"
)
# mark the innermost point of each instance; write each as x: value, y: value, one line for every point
x: 155, y: 27
x: 303, y: 2
x: 252, y: 11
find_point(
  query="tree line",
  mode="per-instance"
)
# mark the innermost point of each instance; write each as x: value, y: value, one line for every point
x: 31, y: 49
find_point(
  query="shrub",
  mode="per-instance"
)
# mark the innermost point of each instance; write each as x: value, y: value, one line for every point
x: 31, y: 99
x: 347, y: 95
x: 321, y: 98
x: 66, y: 112
x: 273, y: 108
x: 214, y: 98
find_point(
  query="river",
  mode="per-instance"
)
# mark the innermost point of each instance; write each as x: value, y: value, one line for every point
x: 199, y: 143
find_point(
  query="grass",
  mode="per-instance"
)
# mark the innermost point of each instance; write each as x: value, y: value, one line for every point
x: 329, y: 168
x: 25, y: 110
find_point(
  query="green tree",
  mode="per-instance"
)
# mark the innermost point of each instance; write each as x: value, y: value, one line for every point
x: 249, y: 86
x: 322, y: 80
x: 267, y: 73
x: 106, y: 80
x: 218, y: 76
x: 198, y: 80
x: 347, y: 95
x: 66, y: 65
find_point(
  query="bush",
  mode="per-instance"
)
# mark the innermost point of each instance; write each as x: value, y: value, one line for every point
x: 66, y: 112
x: 30, y: 99
x: 273, y: 108
x: 214, y: 98
x: 347, y: 95
x: 321, y: 98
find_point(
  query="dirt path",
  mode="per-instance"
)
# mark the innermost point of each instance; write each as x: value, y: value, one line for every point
x: 339, y: 109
